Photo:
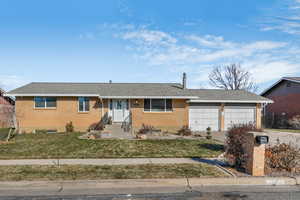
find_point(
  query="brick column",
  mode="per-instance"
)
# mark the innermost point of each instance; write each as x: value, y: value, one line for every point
x: 258, y: 115
x: 255, y: 162
x: 221, y: 117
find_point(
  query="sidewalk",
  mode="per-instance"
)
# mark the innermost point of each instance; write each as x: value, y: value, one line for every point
x: 121, y: 161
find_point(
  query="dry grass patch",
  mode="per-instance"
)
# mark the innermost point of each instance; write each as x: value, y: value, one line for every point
x: 91, y: 172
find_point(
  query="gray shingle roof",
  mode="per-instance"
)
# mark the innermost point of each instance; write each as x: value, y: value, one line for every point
x: 133, y: 90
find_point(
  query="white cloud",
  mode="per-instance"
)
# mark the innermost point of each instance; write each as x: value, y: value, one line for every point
x: 198, y: 53
x: 87, y: 36
x: 11, y: 82
x: 285, y: 19
x: 211, y: 41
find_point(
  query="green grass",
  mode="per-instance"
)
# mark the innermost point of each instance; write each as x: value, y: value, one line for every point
x: 3, y: 133
x: 284, y: 130
x: 62, y: 145
x: 91, y: 172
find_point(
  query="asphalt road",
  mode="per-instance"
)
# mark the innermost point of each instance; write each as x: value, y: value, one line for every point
x: 201, y: 193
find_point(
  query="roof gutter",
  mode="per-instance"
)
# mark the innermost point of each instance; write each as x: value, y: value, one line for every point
x: 230, y: 101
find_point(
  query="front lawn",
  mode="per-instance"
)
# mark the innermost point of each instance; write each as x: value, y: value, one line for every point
x: 62, y: 145
x: 283, y: 130
x: 91, y: 172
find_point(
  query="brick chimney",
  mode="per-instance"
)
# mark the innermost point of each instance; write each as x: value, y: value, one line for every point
x: 184, y: 80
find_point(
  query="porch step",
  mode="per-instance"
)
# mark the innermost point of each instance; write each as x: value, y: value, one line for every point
x: 116, y: 131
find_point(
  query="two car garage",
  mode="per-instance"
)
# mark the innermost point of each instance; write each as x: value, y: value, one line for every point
x: 203, y: 115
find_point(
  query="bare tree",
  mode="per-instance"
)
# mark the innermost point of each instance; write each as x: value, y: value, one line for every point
x: 232, y: 77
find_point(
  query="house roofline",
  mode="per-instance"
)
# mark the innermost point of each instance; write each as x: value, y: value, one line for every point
x: 104, y: 97
x: 230, y: 101
x: 277, y: 82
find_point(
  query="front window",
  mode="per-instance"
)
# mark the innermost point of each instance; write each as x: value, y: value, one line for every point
x: 83, y: 104
x: 45, y: 102
x: 157, y: 105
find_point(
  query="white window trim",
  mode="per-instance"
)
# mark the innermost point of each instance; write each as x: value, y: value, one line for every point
x: 45, y: 107
x: 164, y: 111
x: 83, y: 111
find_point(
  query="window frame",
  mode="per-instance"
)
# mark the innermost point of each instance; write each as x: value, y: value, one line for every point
x: 161, y: 111
x: 84, y: 110
x: 45, y: 102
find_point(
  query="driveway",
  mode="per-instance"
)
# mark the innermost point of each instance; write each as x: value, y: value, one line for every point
x: 283, y: 137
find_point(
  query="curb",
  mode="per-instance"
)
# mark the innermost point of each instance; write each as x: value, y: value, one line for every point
x: 148, y: 183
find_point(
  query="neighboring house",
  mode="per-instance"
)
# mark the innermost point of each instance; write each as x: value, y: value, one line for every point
x: 167, y: 106
x: 286, y: 96
x: 6, y: 110
x: 6, y: 100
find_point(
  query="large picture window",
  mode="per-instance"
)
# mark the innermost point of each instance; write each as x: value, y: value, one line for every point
x: 45, y: 102
x: 83, y: 104
x: 157, y: 105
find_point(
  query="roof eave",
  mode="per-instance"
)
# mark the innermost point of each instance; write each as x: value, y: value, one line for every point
x: 229, y: 101
x: 276, y: 83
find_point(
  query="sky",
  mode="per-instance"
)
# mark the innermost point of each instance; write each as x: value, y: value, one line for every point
x: 146, y: 41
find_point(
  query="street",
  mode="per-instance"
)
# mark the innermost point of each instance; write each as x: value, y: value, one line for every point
x: 165, y: 193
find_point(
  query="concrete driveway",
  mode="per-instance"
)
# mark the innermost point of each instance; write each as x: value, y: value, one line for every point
x: 283, y: 137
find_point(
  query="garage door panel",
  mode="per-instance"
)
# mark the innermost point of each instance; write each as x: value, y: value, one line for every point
x: 201, y: 117
x: 238, y: 115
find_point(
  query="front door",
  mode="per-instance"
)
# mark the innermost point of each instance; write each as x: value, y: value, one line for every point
x: 120, y: 110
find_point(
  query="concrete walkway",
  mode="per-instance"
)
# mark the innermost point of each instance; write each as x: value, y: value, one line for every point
x: 121, y: 161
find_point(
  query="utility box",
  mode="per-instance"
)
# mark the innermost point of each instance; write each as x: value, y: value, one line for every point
x: 262, y: 139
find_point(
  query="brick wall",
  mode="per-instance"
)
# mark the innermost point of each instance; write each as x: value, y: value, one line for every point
x: 171, y: 121
x: 30, y: 118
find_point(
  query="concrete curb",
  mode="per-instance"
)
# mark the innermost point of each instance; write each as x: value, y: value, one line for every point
x: 148, y: 183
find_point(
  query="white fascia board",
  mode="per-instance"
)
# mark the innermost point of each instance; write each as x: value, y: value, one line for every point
x: 53, y: 95
x: 148, y: 97
x: 229, y: 101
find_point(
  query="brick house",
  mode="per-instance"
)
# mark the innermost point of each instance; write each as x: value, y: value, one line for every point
x: 286, y: 96
x: 6, y: 110
x: 167, y: 106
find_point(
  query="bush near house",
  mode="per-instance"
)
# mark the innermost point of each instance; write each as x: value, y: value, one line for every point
x: 294, y: 122
x: 234, y: 150
x: 184, y: 131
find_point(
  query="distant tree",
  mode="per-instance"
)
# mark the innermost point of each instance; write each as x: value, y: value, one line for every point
x: 232, y: 77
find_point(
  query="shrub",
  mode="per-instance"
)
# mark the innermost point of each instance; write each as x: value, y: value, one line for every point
x: 294, y: 122
x: 184, y: 131
x: 69, y: 127
x: 282, y: 157
x: 208, y: 133
x: 235, y: 140
x: 145, y: 129
x: 98, y: 126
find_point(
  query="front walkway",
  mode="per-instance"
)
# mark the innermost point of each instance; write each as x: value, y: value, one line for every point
x: 121, y: 161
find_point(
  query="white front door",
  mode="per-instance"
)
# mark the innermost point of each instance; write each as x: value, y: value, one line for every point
x: 120, y: 110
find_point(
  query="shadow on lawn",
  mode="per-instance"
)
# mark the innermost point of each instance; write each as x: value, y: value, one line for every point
x: 212, y: 147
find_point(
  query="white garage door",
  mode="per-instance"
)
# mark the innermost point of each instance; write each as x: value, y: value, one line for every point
x: 201, y: 117
x: 238, y: 115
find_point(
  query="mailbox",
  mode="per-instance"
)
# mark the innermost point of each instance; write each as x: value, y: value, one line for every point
x: 262, y: 139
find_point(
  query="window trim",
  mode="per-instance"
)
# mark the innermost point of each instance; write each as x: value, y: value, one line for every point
x: 83, y: 111
x: 45, y: 101
x: 165, y: 107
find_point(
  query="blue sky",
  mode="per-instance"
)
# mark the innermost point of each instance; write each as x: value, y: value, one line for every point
x: 146, y: 41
